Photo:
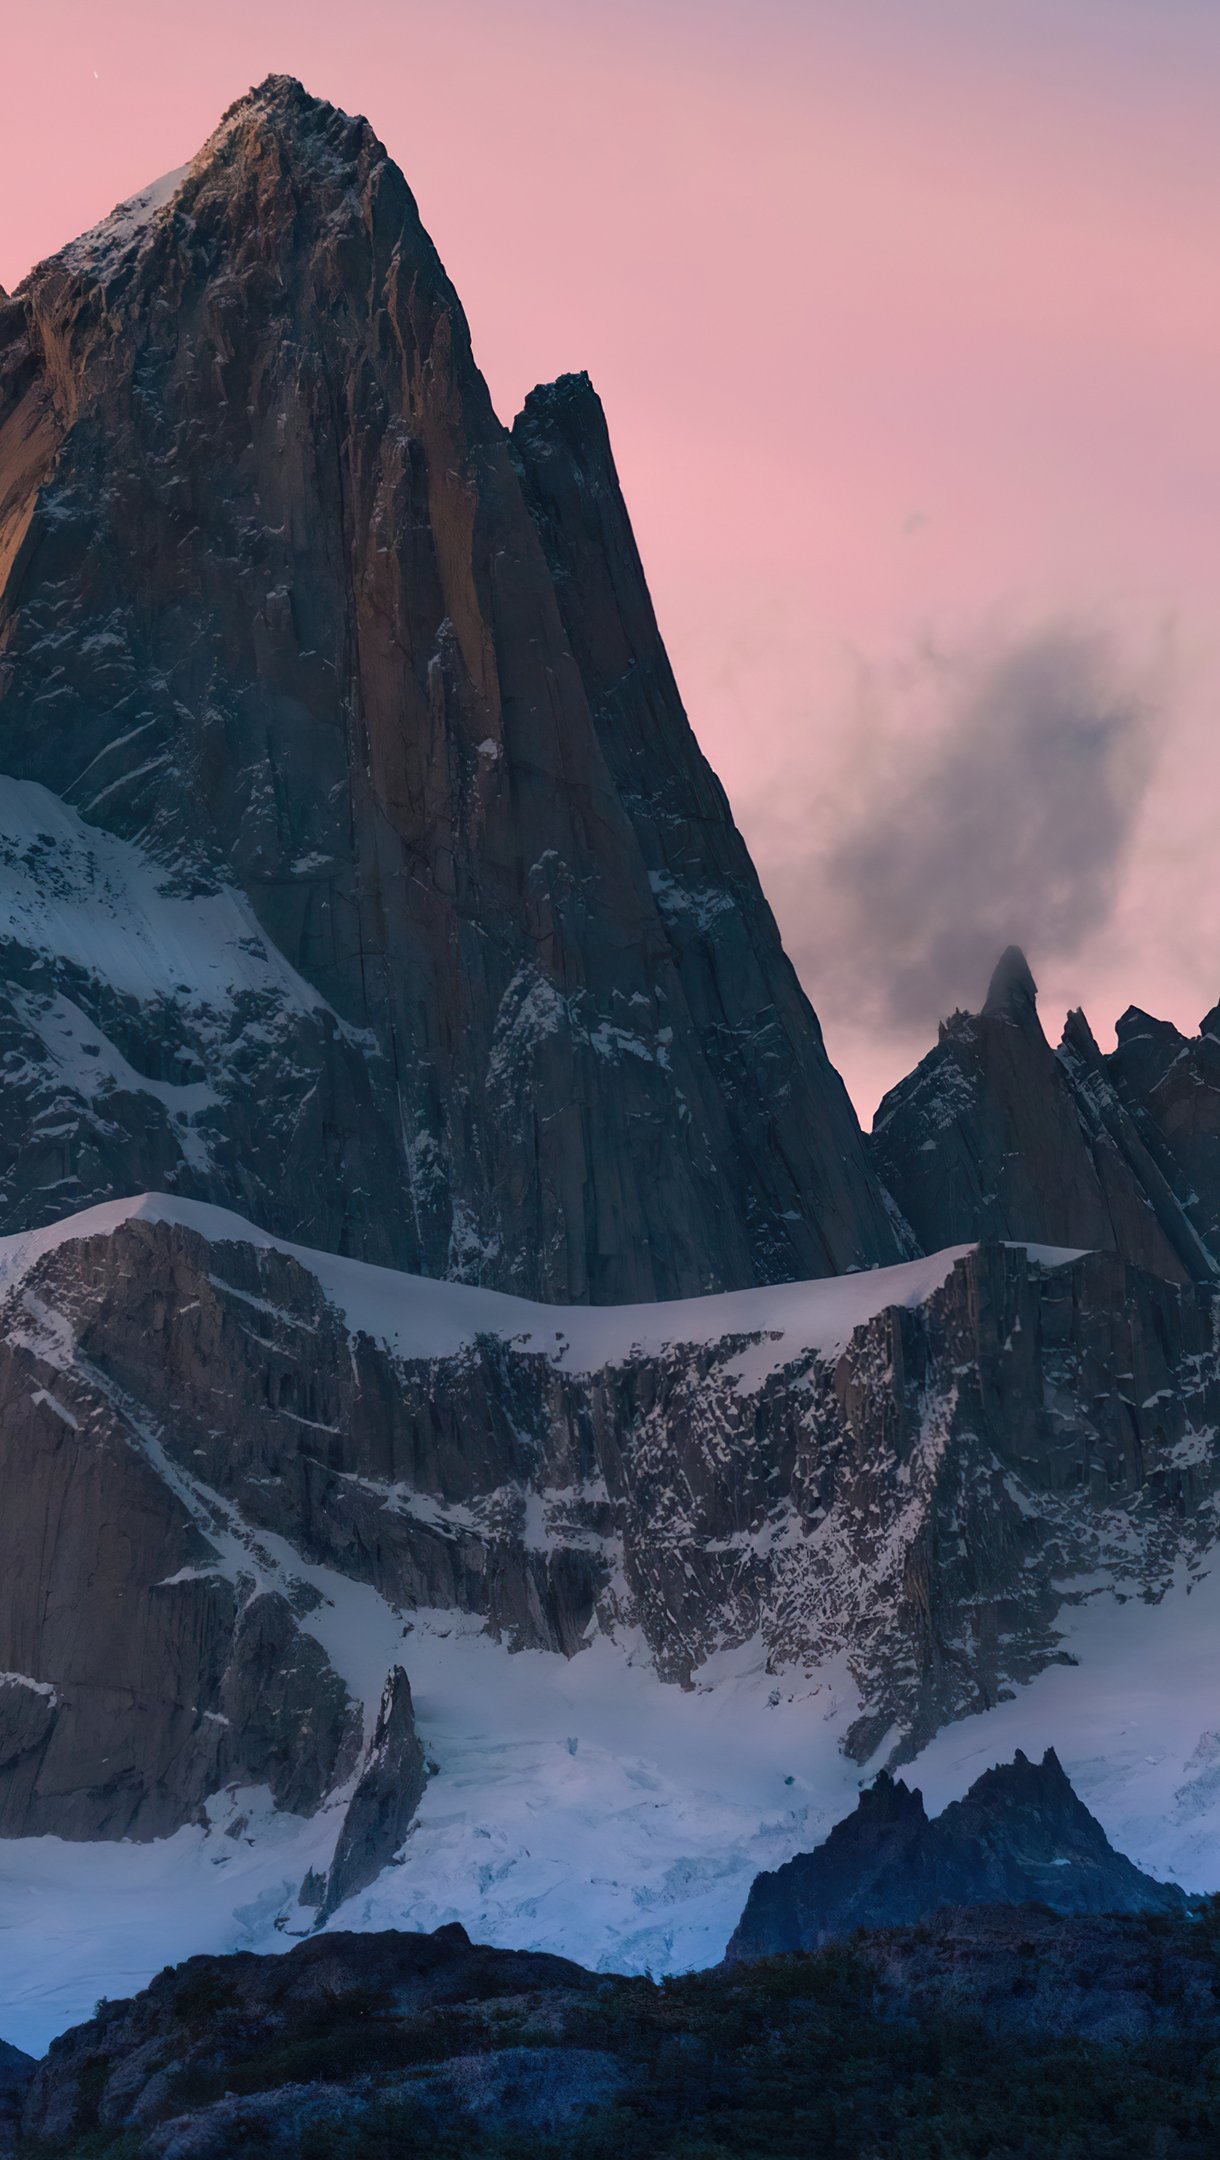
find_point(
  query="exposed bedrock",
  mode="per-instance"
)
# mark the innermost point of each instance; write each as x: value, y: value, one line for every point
x: 388, y: 1791
x: 1020, y: 1836
x: 997, y: 1135
x: 364, y: 873
x: 916, y: 1500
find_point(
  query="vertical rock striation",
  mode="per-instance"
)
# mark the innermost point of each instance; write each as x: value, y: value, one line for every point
x: 436, y: 893
x: 388, y: 1791
x: 1169, y: 1084
x: 791, y: 1135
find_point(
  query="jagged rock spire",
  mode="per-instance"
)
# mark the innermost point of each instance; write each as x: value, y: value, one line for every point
x: 1013, y: 993
x: 1020, y: 1834
x: 1078, y: 1039
x: 994, y: 1135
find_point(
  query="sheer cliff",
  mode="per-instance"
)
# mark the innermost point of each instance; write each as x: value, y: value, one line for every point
x: 353, y: 819
x: 902, y: 1473
x: 428, y: 1214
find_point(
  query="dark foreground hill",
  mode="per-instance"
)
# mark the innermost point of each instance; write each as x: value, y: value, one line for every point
x: 1007, y: 2032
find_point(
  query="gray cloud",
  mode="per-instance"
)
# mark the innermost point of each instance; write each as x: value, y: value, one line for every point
x: 997, y: 809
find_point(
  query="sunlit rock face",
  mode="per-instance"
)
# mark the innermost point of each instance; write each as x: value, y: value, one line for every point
x: 365, y: 874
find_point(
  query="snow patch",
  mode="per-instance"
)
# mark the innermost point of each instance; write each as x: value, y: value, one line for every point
x: 1129, y: 1718
x: 35, y: 1687
x: 127, y: 223
x: 417, y: 1316
x: 82, y: 895
x: 584, y: 1807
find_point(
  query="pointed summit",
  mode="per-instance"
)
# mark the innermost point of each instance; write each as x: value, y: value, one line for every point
x: 327, y: 643
x: 1021, y: 1833
x: 996, y: 1135
x: 1136, y: 1025
x: 1078, y: 1041
x: 280, y: 107
x: 284, y: 94
x: 1012, y: 993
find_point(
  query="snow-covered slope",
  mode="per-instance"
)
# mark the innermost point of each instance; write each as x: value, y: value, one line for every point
x: 589, y: 1809
x: 842, y: 1514
x: 417, y: 1316
x: 148, y: 1024
x: 359, y: 871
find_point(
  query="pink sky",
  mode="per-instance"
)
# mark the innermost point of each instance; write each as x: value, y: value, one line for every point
x: 907, y: 322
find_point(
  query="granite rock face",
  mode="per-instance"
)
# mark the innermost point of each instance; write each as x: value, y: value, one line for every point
x: 172, y: 1680
x: 360, y: 872
x: 1019, y: 1836
x: 996, y: 1135
x: 388, y: 1791
x: 794, y: 1137
x: 354, y: 822
x: 936, y: 1468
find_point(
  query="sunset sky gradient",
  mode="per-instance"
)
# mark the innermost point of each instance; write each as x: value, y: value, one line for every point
x: 906, y: 315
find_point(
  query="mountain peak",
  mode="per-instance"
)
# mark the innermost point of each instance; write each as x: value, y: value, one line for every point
x: 1136, y: 1025
x: 359, y: 702
x: 284, y: 101
x: 275, y: 131
x: 570, y: 399
x: 1021, y: 1832
x: 318, y: 136
x: 890, y: 1799
x: 1025, y: 1779
x: 283, y: 89
x: 1012, y: 993
x: 1078, y: 1039
x: 996, y: 1135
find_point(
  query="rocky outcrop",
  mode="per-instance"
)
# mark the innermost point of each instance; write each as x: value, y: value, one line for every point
x: 794, y: 1140
x: 403, y: 2009
x: 354, y: 820
x: 996, y: 1135
x: 1019, y: 1836
x: 910, y: 1469
x: 388, y: 1791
